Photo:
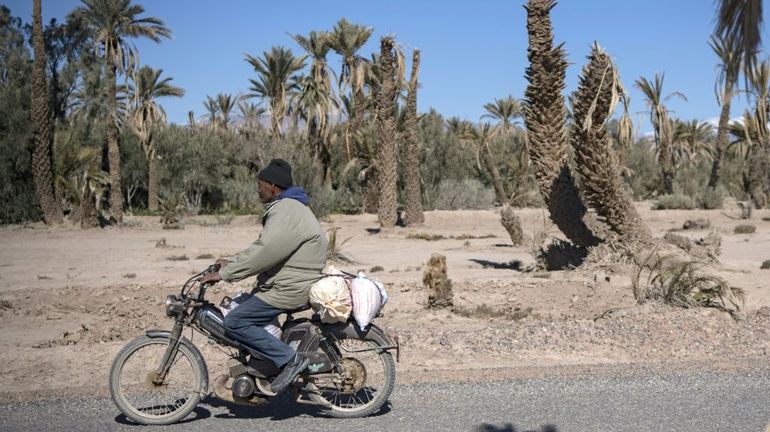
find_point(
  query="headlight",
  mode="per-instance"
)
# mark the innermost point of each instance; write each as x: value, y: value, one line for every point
x: 173, y: 305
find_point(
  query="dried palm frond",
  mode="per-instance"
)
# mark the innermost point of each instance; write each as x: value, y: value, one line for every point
x: 683, y: 284
x: 334, y: 250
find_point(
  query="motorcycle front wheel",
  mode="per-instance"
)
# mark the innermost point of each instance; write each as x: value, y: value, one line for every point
x: 363, y: 384
x: 138, y: 394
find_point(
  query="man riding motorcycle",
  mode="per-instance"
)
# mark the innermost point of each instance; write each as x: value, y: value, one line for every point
x: 287, y: 258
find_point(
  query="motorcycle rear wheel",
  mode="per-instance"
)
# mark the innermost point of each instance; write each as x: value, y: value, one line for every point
x: 139, y: 398
x: 363, y: 387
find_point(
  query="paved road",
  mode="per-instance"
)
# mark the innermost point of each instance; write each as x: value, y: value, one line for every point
x: 699, y: 402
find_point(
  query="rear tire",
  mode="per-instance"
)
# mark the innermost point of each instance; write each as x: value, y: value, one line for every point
x: 146, y: 403
x: 364, y: 386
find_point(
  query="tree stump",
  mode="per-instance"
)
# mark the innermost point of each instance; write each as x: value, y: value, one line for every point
x: 435, y: 279
x: 512, y: 224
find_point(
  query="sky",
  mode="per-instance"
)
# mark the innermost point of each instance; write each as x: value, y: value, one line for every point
x: 471, y: 51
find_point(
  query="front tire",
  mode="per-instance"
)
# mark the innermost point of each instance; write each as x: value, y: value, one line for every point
x: 364, y: 385
x: 140, y: 399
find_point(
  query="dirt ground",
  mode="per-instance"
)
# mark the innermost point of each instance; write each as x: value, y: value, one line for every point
x: 69, y: 299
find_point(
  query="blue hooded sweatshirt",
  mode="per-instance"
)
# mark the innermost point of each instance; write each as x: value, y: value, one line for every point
x: 295, y: 193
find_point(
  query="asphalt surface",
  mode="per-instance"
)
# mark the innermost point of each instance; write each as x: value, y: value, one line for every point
x: 703, y: 401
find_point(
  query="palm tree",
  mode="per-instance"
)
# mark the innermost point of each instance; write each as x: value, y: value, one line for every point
x: 315, y: 100
x: 594, y: 101
x: 212, y: 112
x: 112, y: 23
x: 740, y: 21
x: 41, y: 116
x: 661, y: 123
x: 690, y: 141
x: 746, y: 146
x: 386, y: 132
x: 505, y: 110
x: 759, y: 175
x: 726, y: 48
x: 545, y: 116
x: 219, y: 111
x: 275, y: 70
x: 250, y: 114
x: 482, y: 135
x: 413, y: 194
x: 146, y: 116
x: 346, y: 39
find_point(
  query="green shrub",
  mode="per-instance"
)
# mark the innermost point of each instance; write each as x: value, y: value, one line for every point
x: 674, y: 202
x: 711, y: 199
x: 465, y: 194
x: 745, y: 229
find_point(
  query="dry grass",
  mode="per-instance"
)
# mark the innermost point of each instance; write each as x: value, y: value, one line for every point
x: 129, y: 275
x: 178, y: 258
x: 425, y: 236
x: 376, y: 269
x: 683, y: 284
x: 765, y: 265
x: 485, y: 311
x: 205, y: 256
x: 745, y: 229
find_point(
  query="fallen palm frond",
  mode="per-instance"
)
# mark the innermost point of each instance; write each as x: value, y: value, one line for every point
x: 683, y: 284
x: 334, y: 252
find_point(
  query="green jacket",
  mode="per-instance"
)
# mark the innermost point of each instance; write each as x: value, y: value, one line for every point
x: 288, y: 256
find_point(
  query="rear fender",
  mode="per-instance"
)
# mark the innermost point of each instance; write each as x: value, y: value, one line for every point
x: 372, y: 333
x: 165, y: 334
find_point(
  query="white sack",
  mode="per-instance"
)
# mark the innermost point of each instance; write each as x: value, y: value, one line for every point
x: 367, y: 300
x: 330, y: 297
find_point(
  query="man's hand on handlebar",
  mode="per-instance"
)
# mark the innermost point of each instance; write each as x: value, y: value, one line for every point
x: 210, y: 278
x: 213, y: 276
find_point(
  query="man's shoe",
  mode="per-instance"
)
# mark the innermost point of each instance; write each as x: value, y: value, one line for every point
x: 289, y: 372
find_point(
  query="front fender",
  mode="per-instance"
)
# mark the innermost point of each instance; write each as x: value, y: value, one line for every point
x: 165, y: 334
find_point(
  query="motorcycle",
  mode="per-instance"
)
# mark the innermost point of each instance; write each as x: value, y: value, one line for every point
x: 160, y: 377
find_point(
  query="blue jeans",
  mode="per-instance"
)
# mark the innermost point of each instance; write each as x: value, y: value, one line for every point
x: 245, y: 324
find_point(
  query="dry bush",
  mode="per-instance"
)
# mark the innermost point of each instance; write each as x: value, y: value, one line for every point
x: 178, y: 258
x: 683, y: 284
x: 334, y: 252
x: 437, y: 282
x: 745, y: 229
x: 172, y: 211
x: 377, y: 268
x: 674, y: 202
x: 699, y: 223
x: 708, y: 247
x: 472, y: 237
x: 205, y: 256
x: 765, y: 265
x: 512, y: 224
x: 425, y: 236
x: 484, y: 311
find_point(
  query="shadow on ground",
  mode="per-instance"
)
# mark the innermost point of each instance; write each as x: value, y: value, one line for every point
x: 511, y: 265
x: 279, y: 408
x: 508, y: 427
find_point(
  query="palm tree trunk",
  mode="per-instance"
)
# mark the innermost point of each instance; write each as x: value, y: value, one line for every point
x: 386, y: 130
x: 88, y: 217
x: 152, y: 183
x: 601, y: 183
x: 721, y: 143
x: 502, y: 196
x: 757, y: 174
x: 545, y: 115
x: 41, y: 116
x: 413, y: 193
x: 113, y: 151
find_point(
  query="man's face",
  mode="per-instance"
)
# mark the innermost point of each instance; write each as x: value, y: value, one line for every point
x: 267, y: 191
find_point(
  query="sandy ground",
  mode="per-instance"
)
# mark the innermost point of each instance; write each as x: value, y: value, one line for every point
x: 69, y: 299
